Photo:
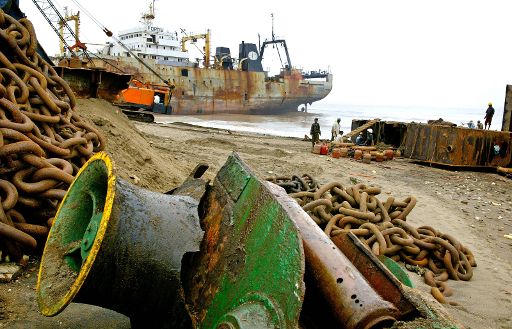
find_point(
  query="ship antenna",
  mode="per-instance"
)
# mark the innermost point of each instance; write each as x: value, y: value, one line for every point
x: 273, y: 36
x: 147, y: 18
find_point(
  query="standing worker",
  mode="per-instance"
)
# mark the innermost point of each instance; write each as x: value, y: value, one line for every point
x: 488, y: 116
x: 315, y: 132
x: 335, y: 130
x: 369, y: 137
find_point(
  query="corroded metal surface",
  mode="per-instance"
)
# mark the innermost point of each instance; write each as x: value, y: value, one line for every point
x: 207, y: 91
x: 456, y: 146
x: 387, y: 132
x: 91, y: 83
x: 336, y: 283
x: 506, y: 125
x: 251, y: 260
x: 379, y: 277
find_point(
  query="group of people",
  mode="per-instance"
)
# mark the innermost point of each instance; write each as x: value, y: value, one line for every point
x: 315, y: 132
x: 489, y: 113
x: 337, y: 133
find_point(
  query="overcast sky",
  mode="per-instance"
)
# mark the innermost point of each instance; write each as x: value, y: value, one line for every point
x: 436, y: 53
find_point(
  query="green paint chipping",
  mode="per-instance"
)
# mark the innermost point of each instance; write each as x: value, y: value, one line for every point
x: 397, y: 270
x: 234, y: 177
x: 269, y: 265
x: 80, y: 215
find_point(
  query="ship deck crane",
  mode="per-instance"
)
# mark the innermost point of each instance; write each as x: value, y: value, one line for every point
x: 53, y: 17
x: 193, y: 38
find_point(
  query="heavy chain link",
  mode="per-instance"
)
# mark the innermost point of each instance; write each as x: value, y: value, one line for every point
x: 382, y: 227
x: 43, y: 142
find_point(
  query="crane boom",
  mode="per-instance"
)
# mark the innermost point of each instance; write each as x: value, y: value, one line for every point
x: 53, y: 17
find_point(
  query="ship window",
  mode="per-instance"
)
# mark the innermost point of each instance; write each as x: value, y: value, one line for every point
x: 184, y: 72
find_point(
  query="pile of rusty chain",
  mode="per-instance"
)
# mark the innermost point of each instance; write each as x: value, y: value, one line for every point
x: 43, y: 142
x: 382, y: 227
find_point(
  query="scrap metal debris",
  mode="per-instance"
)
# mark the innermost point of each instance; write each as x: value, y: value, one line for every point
x: 383, y: 228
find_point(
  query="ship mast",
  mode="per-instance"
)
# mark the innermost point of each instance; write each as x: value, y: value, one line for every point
x: 147, y: 18
x: 273, y: 36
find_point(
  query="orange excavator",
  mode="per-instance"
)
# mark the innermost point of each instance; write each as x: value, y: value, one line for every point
x: 140, y: 99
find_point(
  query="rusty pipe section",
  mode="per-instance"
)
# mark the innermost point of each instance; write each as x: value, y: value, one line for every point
x: 351, y: 301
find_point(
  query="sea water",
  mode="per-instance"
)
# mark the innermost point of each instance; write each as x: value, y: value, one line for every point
x: 297, y: 124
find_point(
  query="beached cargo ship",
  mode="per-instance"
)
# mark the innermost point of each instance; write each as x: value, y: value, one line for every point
x: 224, y: 85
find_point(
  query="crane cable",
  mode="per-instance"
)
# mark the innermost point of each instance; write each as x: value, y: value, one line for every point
x: 54, y: 28
x: 101, y: 26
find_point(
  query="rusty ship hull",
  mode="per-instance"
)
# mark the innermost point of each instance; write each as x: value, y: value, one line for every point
x: 200, y: 90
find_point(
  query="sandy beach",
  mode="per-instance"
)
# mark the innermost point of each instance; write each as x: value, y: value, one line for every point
x: 474, y: 207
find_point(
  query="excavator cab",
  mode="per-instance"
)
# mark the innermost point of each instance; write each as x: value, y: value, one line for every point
x: 140, y: 98
x: 161, y: 102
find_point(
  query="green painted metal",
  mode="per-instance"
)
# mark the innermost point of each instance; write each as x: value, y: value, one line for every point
x: 81, y: 214
x: 234, y: 176
x: 90, y: 235
x: 256, y: 261
x: 397, y: 270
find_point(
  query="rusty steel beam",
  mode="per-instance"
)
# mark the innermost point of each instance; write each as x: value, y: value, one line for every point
x: 457, y: 146
x: 507, y: 110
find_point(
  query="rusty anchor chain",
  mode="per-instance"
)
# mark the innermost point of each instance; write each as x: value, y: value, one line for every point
x: 382, y: 227
x: 43, y: 142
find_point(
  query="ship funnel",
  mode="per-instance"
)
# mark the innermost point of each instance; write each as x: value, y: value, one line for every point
x: 223, y: 57
x: 249, y: 52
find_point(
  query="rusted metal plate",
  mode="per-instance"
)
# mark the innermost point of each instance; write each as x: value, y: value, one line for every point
x: 379, y: 277
x: 457, y: 146
x: 207, y: 91
x: 507, y: 110
x: 90, y: 83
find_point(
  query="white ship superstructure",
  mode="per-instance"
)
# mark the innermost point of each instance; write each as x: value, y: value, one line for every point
x: 149, y: 42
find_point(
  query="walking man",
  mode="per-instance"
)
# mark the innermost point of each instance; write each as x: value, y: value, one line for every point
x: 315, y: 132
x: 335, y: 130
x: 488, y: 116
